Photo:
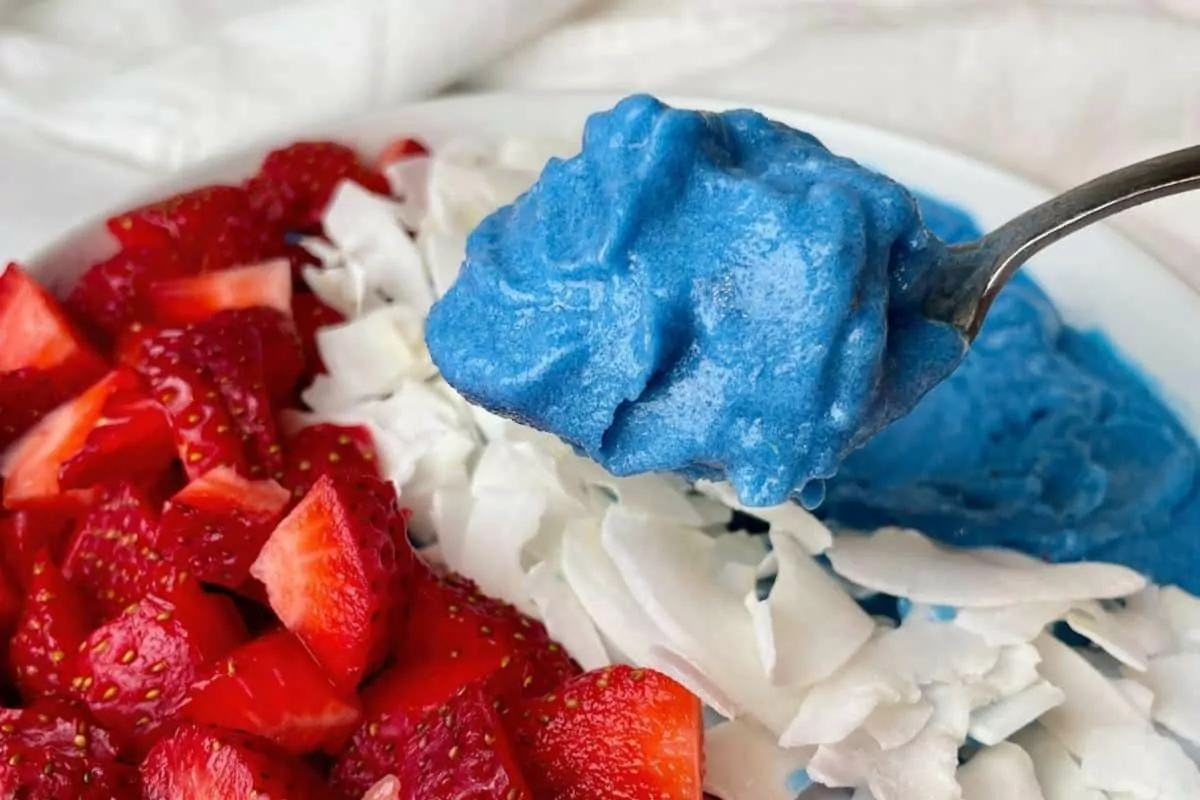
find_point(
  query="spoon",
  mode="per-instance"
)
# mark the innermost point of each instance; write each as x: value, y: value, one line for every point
x: 977, y: 271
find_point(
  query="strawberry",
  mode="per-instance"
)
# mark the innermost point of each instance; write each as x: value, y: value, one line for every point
x: 111, y: 554
x: 215, y: 526
x: 335, y: 577
x: 183, y: 301
x: 400, y: 150
x: 26, y: 396
x: 450, y: 620
x: 614, y: 732
x: 294, y: 183
x: 310, y: 315
x: 463, y: 751
x: 52, y: 750
x: 115, y: 293
x: 272, y: 688
x: 135, y: 671
x: 327, y: 450
x: 10, y: 606
x: 386, y: 789
x: 127, y: 348
x: 34, y: 333
x: 24, y: 533
x: 393, y: 704
x: 201, y: 763
x: 104, y: 432
x: 55, y: 621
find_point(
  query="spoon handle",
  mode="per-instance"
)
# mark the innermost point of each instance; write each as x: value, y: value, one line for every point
x: 980, y: 269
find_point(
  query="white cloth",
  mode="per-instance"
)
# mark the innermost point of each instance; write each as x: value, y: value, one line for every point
x: 97, y: 97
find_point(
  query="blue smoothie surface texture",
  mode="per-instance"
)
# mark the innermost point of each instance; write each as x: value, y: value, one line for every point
x: 711, y: 294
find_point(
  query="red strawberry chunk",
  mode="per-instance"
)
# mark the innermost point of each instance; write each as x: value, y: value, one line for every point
x: 24, y: 533
x: 463, y: 751
x: 295, y: 183
x: 55, y: 621
x: 136, y: 670
x: 325, y: 449
x: 26, y: 396
x: 187, y: 300
x: 35, y: 333
x: 450, y: 619
x: 335, y: 577
x: 216, y: 525
x: 310, y: 315
x: 10, y: 607
x: 614, y: 732
x: 400, y: 150
x: 272, y: 688
x: 111, y: 554
x: 115, y: 293
x: 201, y: 763
x: 51, y: 750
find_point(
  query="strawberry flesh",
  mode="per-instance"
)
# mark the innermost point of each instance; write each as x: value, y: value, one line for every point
x: 35, y: 333
x: 272, y: 688
x: 136, y: 670
x: 115, y: 293
x: 55, y: 621
x: 26, y: 396
x: 310, y: 315
x: 187, y: 300
x: 215, y: 526
x: 202, y: 763
x: 24, y: 533
x: 325, y: 449
x: 294, y: 184
x: 335, y: 577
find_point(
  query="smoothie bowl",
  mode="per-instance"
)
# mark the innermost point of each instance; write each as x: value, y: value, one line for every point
x: 254, y: 545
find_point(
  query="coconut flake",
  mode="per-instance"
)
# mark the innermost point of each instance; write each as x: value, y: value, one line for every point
x: 742, y: 762
x: 1106, y: 631
x: 1009, y: 625
x: 408, y: 179
x: 907, y: 564
x: 924, y: 768
x: 386, y: 789
x: 1057, y: 772
x: 790, y: 517
x: 1139, y: 764
x: 1174, y: 681
x: 1137, y: 694
x: 370, y: 356
x: 845, y: 763
x: 995, y: 723
x: 1002, y: 772
x: 500, y: 525
x: 564, y: 616
x: 894, y: 725
x: 687, y: 674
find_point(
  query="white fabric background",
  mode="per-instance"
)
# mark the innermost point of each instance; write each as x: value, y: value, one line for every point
x: 97, y: 97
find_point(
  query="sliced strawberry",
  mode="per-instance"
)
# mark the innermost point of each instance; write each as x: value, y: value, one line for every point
x: 311, y: 315
x: 194, y: 299
x: 52, y: 750
x: 400, y: 150
x: 115, y: 293
x: 10, y: 606
x: 215, y: 526
x: 127, y: 348
x: 346, y: 451
x: 614, y: 732
x: 272, y: 688
x: 450, y: 619
x: 26, y: 396
x: 35, y: 333
x: 24, y: 533
x: 55, y: 621
x: 463, y: 751
x: 111, y: 554
x: 334, y: 576
x: 294, y: 184
x: 136, y: 670
x: 201, y: 763
x: 393, y: 705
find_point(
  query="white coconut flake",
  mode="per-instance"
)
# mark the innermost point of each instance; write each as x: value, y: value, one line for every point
x: 1008, y: 625
x: 924, y: 768
x: 790, y: 517
x: 1105, y: 631
x: 815, y: 626
x: 1058, y: 773
x: 1137, y: 694
x: 894, y: 725
x: 1016, y: 668
x: 742, y: 762
x: 369, y: 357
x: 687, y: 674
x: 845, y: 763
x: 564, y: 616
x: 1091, y: 700
x: 500, y: 525
x: 408, y: 180
x: 1002, y: 772
x: 386, y: 789
x: 907, y: 564
x: 1137, y: 763
x: 1174, y: 681
x: 994, y: 723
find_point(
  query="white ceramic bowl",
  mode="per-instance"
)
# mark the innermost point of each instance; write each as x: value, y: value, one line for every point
x: 1098, y: 278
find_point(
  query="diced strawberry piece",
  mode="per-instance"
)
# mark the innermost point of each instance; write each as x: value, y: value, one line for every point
x: 136, y: 670
x: 463, y: 751
x: 227, y: 337
x: 184, y: 301
x: 35, y: 333
x: 400, y: 150
x: 393, y: 705
x: 26, y: 396
x: 24, y: 533
x: 324, y: 449
x: 200, y: 763
x: 614, y: 732
x: 111, y: 554
x: 294, y: 184
x: 272, y: 688
x: 10, y: 606
x: 450, y: 619
x: 115, y: 293
x: 215, y: 526
x: 127, y: 349
x: 52, y: 750
x: 310, y: 315
x: 55, y: 621
x: 335, y: 577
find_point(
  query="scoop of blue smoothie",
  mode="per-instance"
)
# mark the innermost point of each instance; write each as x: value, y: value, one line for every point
x: 712, y: 294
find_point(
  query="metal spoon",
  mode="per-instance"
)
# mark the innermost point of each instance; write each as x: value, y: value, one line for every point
x: 978, y: 270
